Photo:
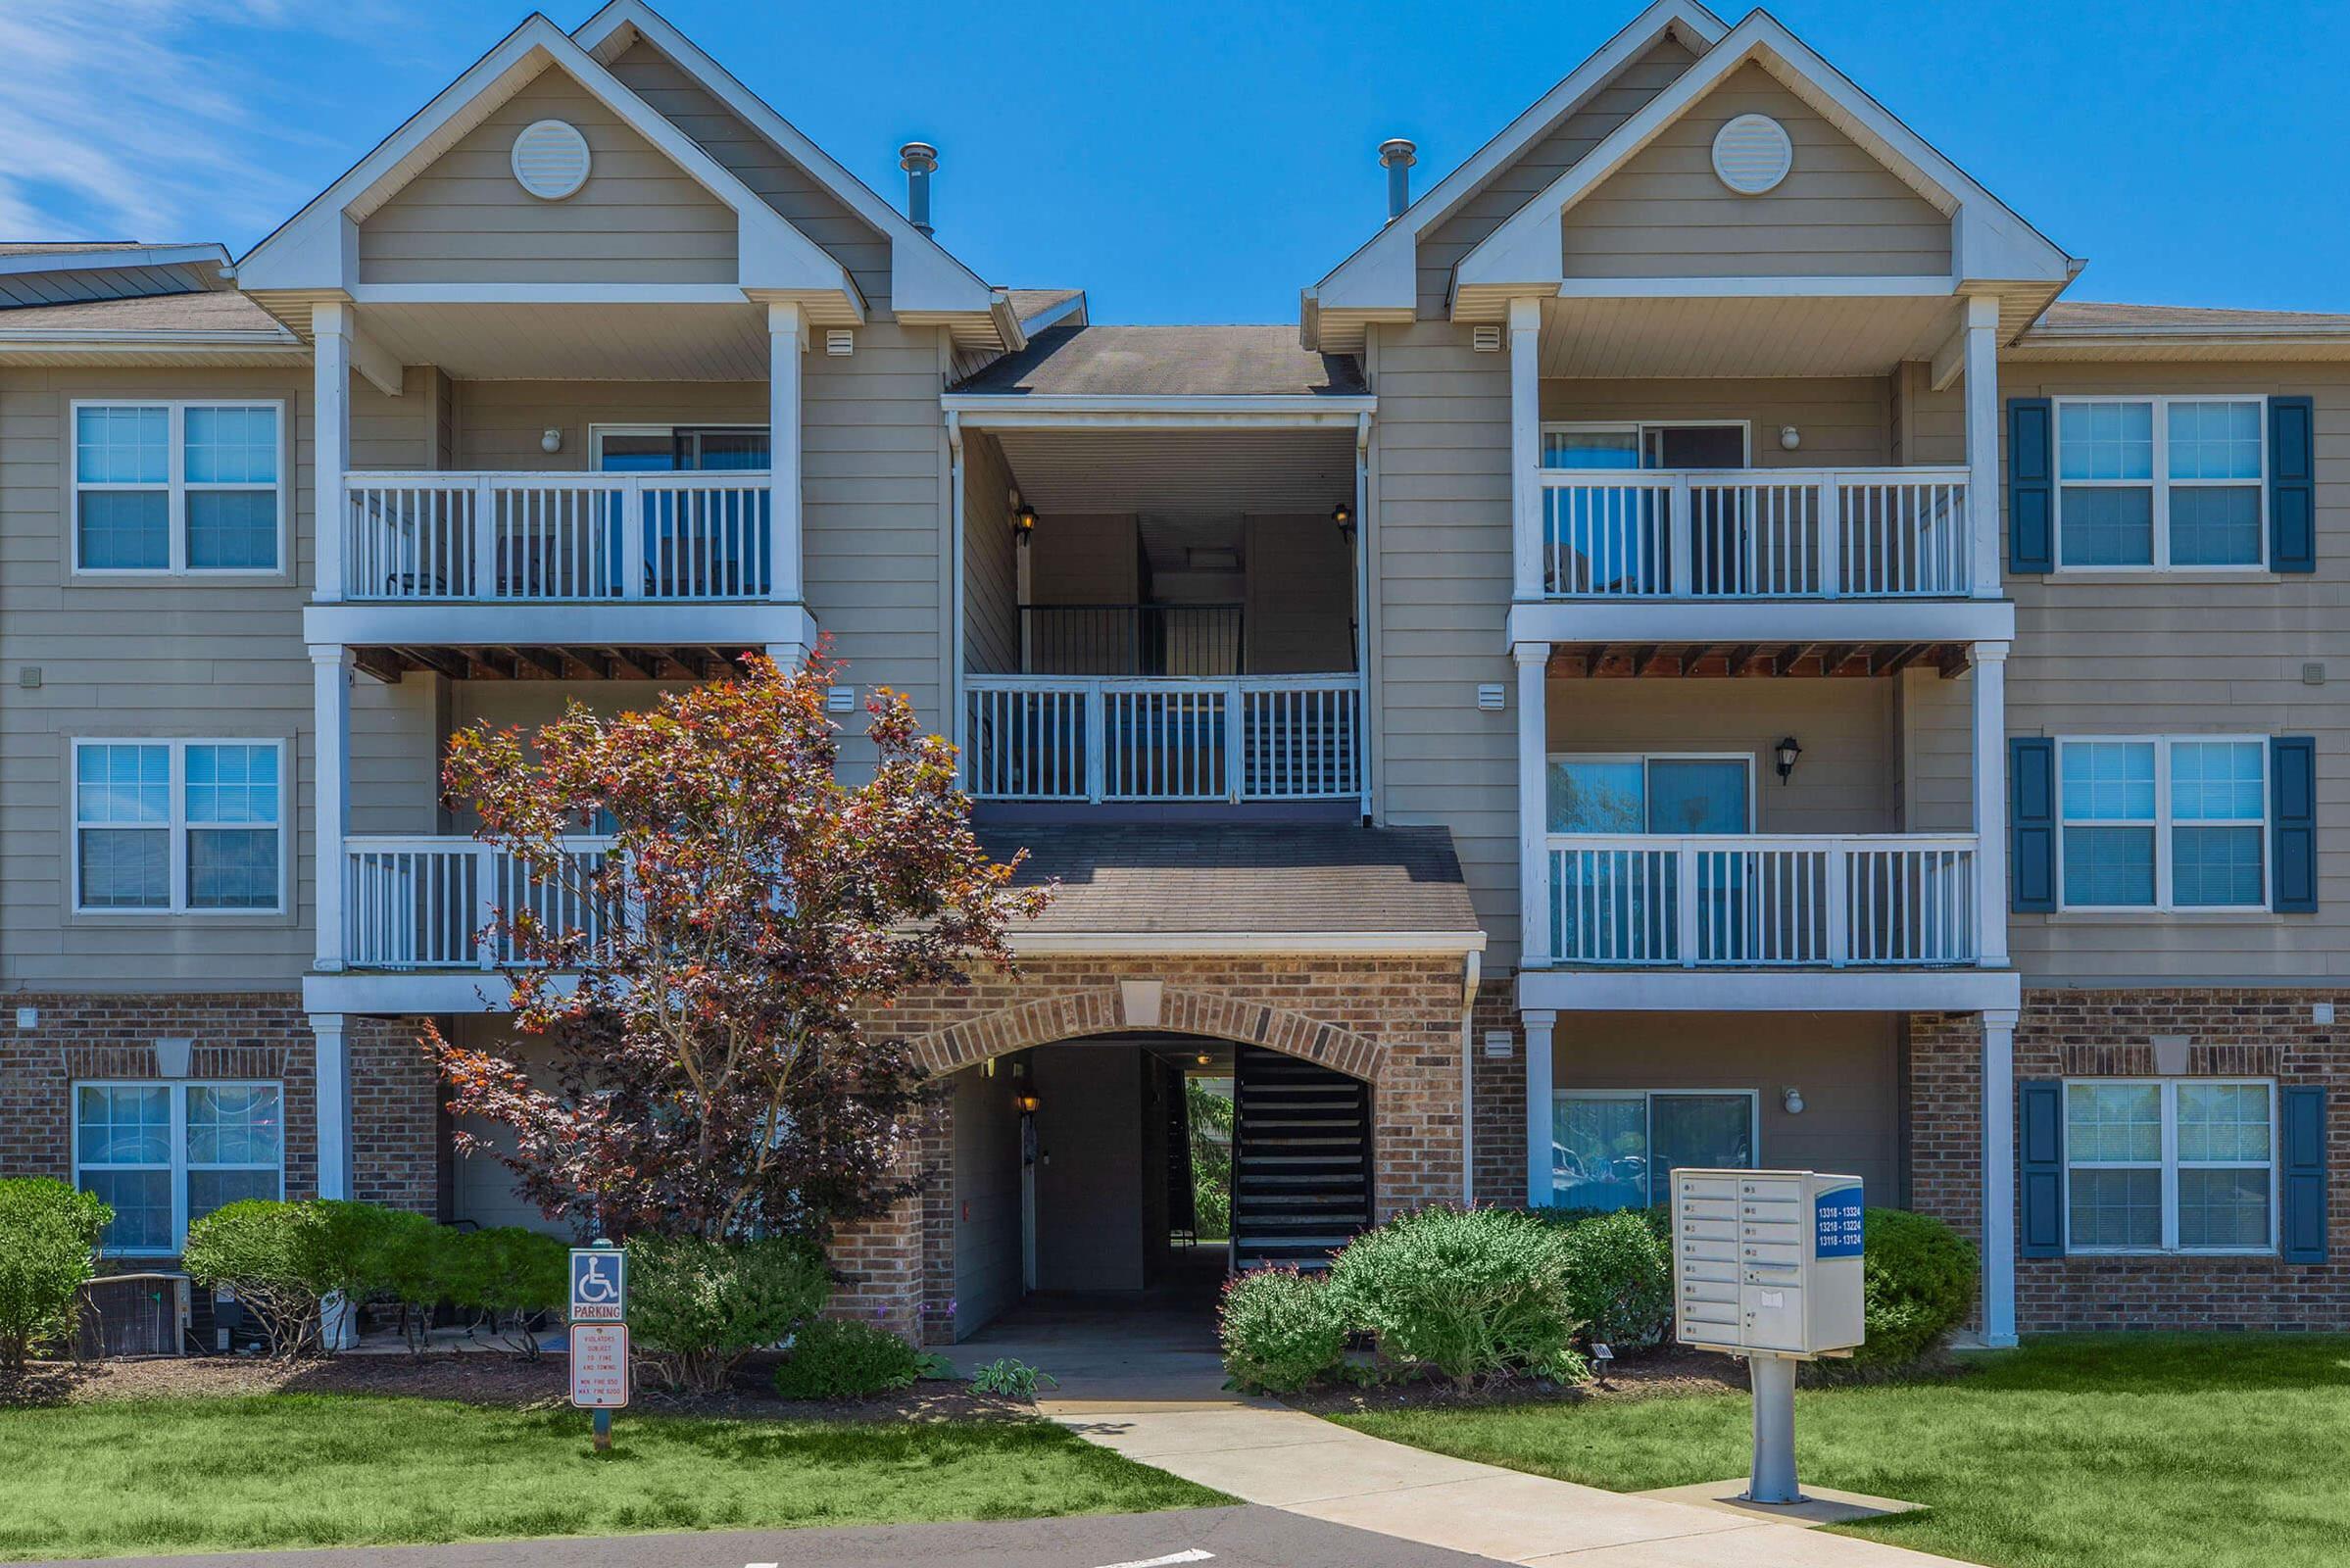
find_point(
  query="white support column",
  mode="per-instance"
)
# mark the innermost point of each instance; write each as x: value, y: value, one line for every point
x: 788, y: 657
x: 1526, y: 443
x: 1999, y: 1178
x: 1533, y: 801
x: 332, y: 326
x: 786, y: 343
x: 1982, y: 439
x: 333, y: 1079
x: 1990, y: 804
x: 1539, y: 1029
x: 331, y: 667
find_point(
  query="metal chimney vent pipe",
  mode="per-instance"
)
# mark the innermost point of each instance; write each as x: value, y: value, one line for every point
x: 1398, y: 155
x: 918, y: 159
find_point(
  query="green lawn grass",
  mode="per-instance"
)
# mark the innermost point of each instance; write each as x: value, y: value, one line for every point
x: 2145, y: 1452
x: 276, y: 1470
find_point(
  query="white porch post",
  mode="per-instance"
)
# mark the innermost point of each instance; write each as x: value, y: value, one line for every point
x: 1982, y: 439
x: 331, y: 327
x: 1539, y: 1025
x: 1990, y: 804
x: 1526, y: 443
x: 1533, y: 826
x: 1999, y: 1178
x: 787, y: 342
x: 334, y: 1095
x: 331, y: 667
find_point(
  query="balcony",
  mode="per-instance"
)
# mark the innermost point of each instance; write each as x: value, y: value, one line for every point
x: 426, y: 902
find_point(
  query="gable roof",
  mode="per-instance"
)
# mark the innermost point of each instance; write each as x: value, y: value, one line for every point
x: 1989, y: 242
x: 1377, y: 281
x: 1166, y: 361
x: 315, y: 253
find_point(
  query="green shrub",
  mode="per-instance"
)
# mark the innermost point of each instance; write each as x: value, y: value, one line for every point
x: 1010, y: 1378
x: 847, y: 1360
x: 511, y: 1275
x: 48, y: 1251
x: 1280, y: 1330
x: 1918, y: 1280
x: 414, y: 1269
x: 274, y: 1258
x: 697, y: 1308
x: 1618, y: 1278
x: 1464, y: 1292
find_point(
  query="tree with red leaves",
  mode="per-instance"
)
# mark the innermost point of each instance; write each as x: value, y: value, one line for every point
x: 704, y: 990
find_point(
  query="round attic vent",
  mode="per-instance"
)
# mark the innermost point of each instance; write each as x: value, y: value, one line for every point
x: 1752, y: 154
x: 551, y: 159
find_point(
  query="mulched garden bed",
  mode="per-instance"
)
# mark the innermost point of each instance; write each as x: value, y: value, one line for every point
x: 474, y: 1378
x: 1664, y: 1372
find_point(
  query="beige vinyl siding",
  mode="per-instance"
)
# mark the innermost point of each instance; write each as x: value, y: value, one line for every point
x: 2178, y: 654
x: 1846, y: 780
x: 1440, y: 515
x: 1078, y: 559
x: 1543, y: 161
x: 1841, y: 420
x: 499, y: 423
x: 1299, y: 604
x: 156, y: 656
x: 1665, y: 214
x: 781, y: 183
x: 1937, y: 717
x: 1846, y: 1063
x: 464, y: 219
x: 991, y: 561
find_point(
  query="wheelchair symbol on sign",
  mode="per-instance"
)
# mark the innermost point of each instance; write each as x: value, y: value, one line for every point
x: 599, y: 1284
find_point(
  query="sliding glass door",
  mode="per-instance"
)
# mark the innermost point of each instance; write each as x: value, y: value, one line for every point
x: 1616, y: 1149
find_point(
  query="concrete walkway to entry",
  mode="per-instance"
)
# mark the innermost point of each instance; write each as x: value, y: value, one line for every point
x: 1148, y: 1385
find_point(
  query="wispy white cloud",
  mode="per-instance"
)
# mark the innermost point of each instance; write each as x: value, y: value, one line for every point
x: 153, y: 119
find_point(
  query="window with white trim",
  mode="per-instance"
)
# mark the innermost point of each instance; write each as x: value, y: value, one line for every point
x: 2170, y: 1165
x: 2162, y: 822
x: 179, y: 487
x: 179, y: 826
x: 1657, y: 791
x: 166, y: 1154
x: 2161, y: 483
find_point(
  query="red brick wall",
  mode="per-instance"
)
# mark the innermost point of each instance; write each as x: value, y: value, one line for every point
x: 1499, y: 1146
x: 258, y: 1036
x: 2079, y: 1034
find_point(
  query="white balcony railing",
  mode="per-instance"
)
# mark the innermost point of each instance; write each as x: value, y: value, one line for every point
x: 454, y: 537
x: 426, y: 902
x: 1234, y: 738
x: 1753, y: 533
x: 1763, y: 901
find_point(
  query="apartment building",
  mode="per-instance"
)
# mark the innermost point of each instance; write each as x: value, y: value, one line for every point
x: 1691, y: 651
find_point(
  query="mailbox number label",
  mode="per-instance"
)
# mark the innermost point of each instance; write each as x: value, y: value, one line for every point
x: 1836, y: 1223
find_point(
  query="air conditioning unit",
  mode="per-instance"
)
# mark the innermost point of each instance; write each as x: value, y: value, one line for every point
x: 132, y: 1314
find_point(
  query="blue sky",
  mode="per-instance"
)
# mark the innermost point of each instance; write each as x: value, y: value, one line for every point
x: 1203, y: 161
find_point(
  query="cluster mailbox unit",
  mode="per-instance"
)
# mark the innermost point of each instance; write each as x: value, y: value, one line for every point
x: 1766, y: 1265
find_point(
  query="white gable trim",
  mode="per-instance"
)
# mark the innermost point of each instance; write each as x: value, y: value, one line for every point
x: 1379, y: 275
x: 1989, y: 241
x: 318, y: 249
x: 113, y: 261
x: 924, y: 275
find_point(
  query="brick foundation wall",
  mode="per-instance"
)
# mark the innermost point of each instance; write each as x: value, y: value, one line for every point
x: 2081, y: 1034
x: 1395, y: 1022
x: 1499, y: 1145
x: 250, y: 1036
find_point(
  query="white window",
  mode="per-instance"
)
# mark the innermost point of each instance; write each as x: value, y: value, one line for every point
x: 166, y: 1154
x: 180, y: 487
x: 1617, y: 1147
x: 2159, y: 822
x: 179, y: 827
x: 2170, y: 1165
x: 2161, y: 483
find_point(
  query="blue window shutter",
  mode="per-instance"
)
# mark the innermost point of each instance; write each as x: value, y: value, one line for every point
x: 2292, y: 485
x: 2293, y: 822
x: 2030, y: 485
x: 2031, y: 823
x: 2301, y: 1221
x: 2040, y: 1160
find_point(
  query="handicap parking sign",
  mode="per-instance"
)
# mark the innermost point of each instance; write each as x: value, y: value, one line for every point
x: 599, y: 1285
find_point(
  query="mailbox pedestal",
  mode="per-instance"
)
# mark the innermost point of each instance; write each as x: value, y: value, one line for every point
x: 1767, y: 1266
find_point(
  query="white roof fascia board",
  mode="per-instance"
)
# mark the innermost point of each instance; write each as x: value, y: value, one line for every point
x: 924, y: 275
x: 771, y: 253
x: 1856, y: 990
x: 113, y: 261
x: 992, y: 411
x: 1381, y: 270
x: 116, y: 338
x: 1987, y: 240
x: 1178, y: 943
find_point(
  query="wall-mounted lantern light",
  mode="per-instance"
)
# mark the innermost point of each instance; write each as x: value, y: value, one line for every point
x: 551, y: 440
x: 1344, y: 515
x: 1024, y: 521
x: 1790, y: 438
x: 1029, y: 1105
x: 1788, y: 751
x: 1793, y: 1099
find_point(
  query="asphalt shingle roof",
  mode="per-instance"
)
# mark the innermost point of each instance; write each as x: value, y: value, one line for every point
x: 2077, y: 315
x: 1177, y: 878
x: 1167, y: 362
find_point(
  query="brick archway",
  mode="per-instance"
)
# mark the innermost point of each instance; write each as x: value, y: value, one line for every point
x: 1180, y: 1009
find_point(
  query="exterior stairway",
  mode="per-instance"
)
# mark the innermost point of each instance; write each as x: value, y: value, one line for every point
x: 1301, y: 1160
